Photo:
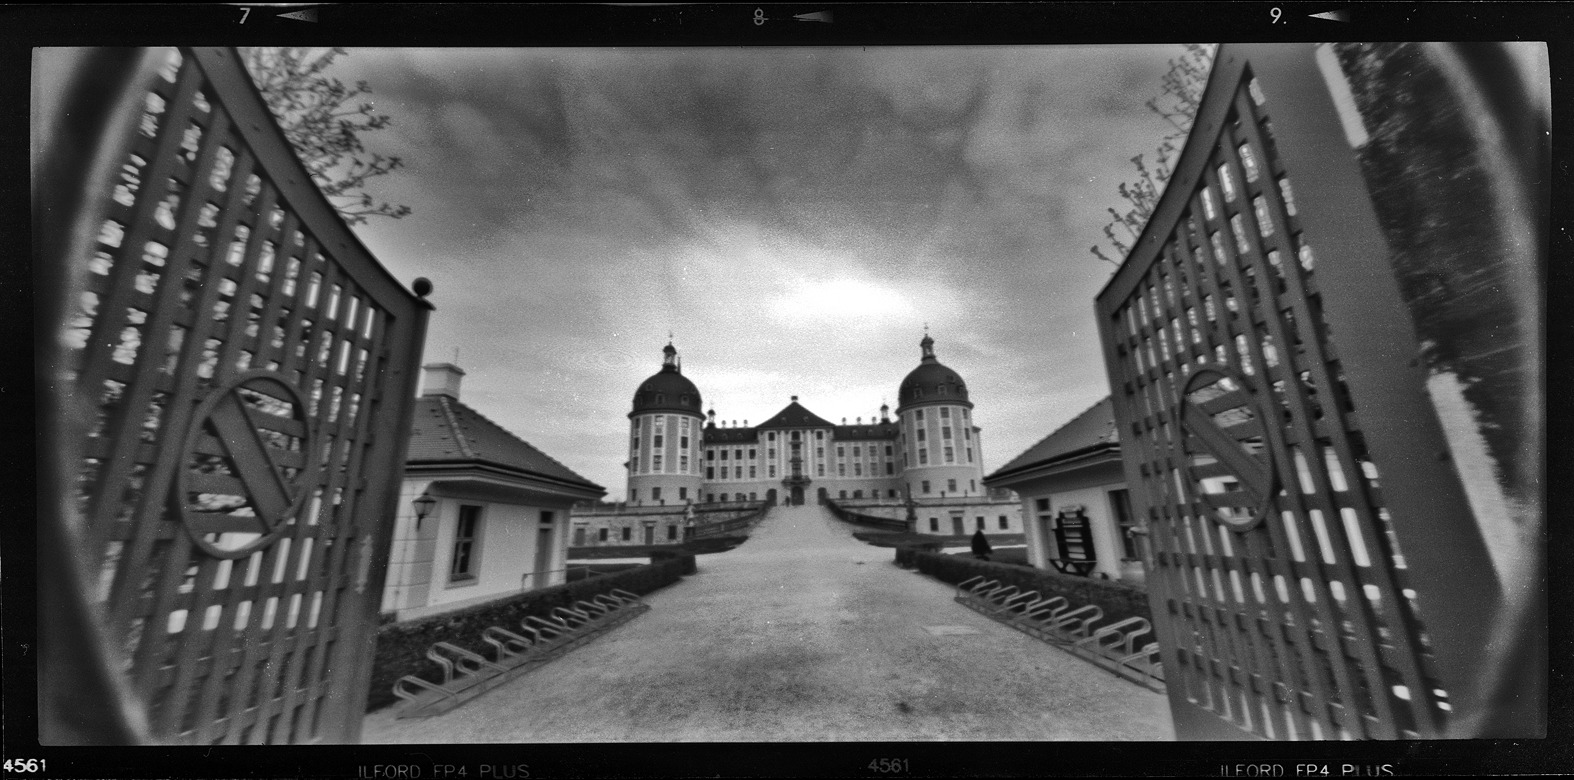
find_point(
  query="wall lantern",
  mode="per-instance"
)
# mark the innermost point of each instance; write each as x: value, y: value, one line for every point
x: 423, y: 507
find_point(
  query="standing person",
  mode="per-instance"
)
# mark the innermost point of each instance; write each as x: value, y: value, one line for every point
x: 980, y: 545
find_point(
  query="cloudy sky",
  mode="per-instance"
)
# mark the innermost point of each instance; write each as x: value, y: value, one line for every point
x: 793, y: 216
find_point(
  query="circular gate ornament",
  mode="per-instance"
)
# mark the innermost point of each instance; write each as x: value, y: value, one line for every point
x: 1228, y: 461
x: 246, y: 465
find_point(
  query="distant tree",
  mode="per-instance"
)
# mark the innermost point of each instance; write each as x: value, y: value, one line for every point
x: 1177, y: 102
x: 324, y: 120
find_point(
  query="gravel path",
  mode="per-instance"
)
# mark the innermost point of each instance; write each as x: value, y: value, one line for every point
x: 802, y: 634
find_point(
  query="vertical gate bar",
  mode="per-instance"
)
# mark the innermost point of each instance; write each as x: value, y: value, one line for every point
x: 1424, y: 711
x: 406, y: 338
x: 1301, y: 419
x: 1423, y: 495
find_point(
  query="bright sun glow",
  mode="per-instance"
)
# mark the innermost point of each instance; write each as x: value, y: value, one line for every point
x: 822, y: 301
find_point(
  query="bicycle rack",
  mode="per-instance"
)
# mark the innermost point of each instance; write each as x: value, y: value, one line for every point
x: 1053, y: 619
x: 536, y: 641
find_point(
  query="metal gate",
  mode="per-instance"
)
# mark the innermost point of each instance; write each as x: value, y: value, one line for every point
x: 1315, y: 570
x: 236, y: 374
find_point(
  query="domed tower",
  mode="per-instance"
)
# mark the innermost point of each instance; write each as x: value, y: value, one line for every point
x: 664, y: 437
x: 941, y: 453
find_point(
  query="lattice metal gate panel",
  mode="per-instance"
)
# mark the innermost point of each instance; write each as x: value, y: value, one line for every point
x: 245, y: 370
x: 1259, y: 435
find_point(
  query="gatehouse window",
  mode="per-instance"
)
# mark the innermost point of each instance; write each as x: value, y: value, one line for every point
x: 602, y: 535
x: 672, y: 532
x: 627, y: 534
x: 467, y: 535
x: 980, y: 523
x: 934, y: 524
x: 1004, y: 523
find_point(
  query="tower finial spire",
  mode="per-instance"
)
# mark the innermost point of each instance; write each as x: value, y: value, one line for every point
x: 928, y: 345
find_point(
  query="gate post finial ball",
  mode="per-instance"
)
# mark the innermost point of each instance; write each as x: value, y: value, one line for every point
x: 422, y: 286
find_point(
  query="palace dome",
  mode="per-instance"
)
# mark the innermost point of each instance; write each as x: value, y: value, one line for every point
x: 668, y: 390
x: 931, y: 383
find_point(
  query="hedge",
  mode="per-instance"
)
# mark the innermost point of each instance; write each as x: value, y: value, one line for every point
x: 402, y: 647
x: 1118, y: 600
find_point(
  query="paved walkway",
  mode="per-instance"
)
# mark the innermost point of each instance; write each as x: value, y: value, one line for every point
x: 802, y: 634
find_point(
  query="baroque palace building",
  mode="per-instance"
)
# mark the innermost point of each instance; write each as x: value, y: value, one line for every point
x: 678, y: 455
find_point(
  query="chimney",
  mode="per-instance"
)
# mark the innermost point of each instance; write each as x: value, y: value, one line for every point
x: 441, y: 379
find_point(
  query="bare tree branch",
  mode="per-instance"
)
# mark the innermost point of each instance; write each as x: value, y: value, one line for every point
x: 1179, y: 97
x: 324, y: 120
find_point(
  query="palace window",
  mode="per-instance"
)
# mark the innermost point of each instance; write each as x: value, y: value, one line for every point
x: 672, y: 532
x: 858, y: 469
x: 950, y: 485
x: 723, y: 472
x: 710, y: 454
x: 772, y: 472
x: 980, y: 523
x: 751, y: 472
x: 919, y: 415
x: 969, y: 454
x: 724, y: 454
x: 655, y: 494
x: 467, y: 535
x: 770, y: 436
x: 841, y: 452
x: 820, y: 470
x: 819, y: 435
x: 1004, y: 523
x: 934, y: 524
x: 657, y: 443
x: 856, y: 452
x: 967, y: 434
x: 819, y: 452
x: 923, y: 457
x: 923, y: 435
x: 841, y: 494
x: 635, y: 465
x: 890, y: 468
x: 656, y: 466
x: 945, y: 412
x: 888, y: 450
x: 841, y: 471
x: 683, y: 493
x: 794, y: 435
x: 602, y: 535
x: 972, y: 485
x: 926, y: 486
x: 683, y: 464
x: 627, y: 533
x: 751, y: 454
x: 683, y: 442
x: 710, y: 472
